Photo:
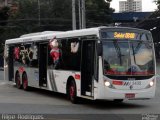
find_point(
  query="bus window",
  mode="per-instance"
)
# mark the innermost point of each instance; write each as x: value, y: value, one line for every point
x: 25, y: 55
x: 55, y: 53
x: 33, y: 56
x: 71, y: 54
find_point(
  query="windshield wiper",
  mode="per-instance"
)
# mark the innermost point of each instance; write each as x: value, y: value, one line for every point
x: 134, y: 54
x: 118, y: 50
x: 138, y: 46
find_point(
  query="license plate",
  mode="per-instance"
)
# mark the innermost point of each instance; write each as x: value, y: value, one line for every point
x: 129, y: 95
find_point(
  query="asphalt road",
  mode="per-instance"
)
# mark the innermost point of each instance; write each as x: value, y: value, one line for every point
x: 35, y: 101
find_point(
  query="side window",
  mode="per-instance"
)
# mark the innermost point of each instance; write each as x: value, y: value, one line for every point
x: 16, y: 53
x: 33, y: 55
x: 64, y: 54
x: 54, y: 54
x: 71, y: 54
x: 26, y: 55
x: 144, y: 37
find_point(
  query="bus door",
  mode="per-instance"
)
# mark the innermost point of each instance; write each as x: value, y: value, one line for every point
x: 43, y: 52
x: 87, y: 67
x: 10, y: 63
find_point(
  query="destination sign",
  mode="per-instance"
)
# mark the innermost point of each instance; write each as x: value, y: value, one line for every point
x: 124, y: 35
x: 127, y: 35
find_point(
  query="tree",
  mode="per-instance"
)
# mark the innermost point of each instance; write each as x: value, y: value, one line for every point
x: 157, y: 3
x: 54, y: 15
x: 47, y: 15
x: 98, y: 12
x: 4, y: 16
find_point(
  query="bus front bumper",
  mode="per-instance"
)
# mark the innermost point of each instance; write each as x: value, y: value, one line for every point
x: 110, y: 94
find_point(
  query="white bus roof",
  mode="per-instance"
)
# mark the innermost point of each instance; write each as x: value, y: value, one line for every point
x: 41, y: 36
x: 38, y: 33
x: 47, y: 35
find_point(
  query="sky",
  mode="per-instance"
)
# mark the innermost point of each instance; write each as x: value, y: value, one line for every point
x: 147, y: 5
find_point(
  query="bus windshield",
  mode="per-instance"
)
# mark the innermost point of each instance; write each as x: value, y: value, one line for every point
x: 128, y: 58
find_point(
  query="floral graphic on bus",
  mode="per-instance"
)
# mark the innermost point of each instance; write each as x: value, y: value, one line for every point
x: 16, y: 53
x: 55, y: 51
x: 24, y: 54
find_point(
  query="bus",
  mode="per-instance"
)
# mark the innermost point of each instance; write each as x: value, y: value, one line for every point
x: 102, y: 63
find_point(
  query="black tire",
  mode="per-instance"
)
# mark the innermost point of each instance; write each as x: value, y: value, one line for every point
x: 18, y: 81
x: 118, y: 100
x: 25, y: 81
x: 72, y: 92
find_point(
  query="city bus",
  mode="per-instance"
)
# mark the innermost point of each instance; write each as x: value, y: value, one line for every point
x: 102, y: 63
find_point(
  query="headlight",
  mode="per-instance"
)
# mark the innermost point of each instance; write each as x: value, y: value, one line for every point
x: 151, y: 83
x: 107, y: 83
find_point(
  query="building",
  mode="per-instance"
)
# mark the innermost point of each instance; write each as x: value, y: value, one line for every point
x: 5, y: 3
x: 130, y: 6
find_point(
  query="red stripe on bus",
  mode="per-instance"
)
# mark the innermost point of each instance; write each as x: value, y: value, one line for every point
x: 116, y: 82
x: 21, y: 69
x: 111, y: 72
x: 77, y: 76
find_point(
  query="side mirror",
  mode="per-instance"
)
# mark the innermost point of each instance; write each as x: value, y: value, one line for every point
x: 99, y: 49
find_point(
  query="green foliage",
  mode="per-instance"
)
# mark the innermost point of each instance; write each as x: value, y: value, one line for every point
x: 27, y: 9
x: 3, y: 21
x: 54, y: 15
x: 98, y: 12
x: 157, y: 3
x: 4, y: 16
x: 1, y: 49
x: 156, y: 13
x: 41, y: 15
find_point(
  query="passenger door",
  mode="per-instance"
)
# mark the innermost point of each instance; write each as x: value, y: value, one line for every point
x: 43, y: 53
x: 11, y: 64
x: 87, y: 67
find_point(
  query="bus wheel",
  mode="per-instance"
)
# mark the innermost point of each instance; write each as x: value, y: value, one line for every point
x: 72, y: 92
x: 118, y: 100
x: 25, y: 81
x: 18, y: 81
